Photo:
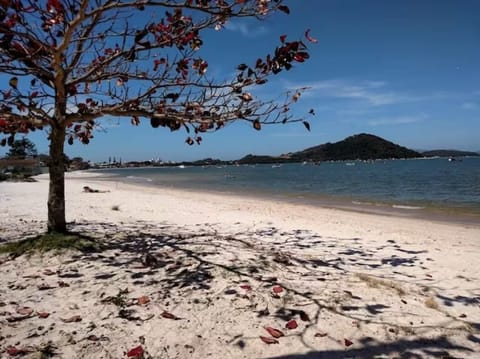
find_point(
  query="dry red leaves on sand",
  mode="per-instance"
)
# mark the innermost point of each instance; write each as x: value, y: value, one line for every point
x: 43, y: 315
x: 45, y: 287
x: 321, y: 334
x: 304, y: 316
x: 136, y: 352
x: 347, y: 342
x: 292, y: 324
x: 268, y: 340
x: 75, y: 318
x: 24, y: 310
x: 274, y: 332
x: 277, y: 289
x: 13, y: 351
x: 143, y: 300
x: 246, y: 287
x: 168, y: 315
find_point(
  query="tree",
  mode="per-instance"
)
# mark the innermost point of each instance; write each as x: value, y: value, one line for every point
x: 73, y: 62
x: 21, y: 149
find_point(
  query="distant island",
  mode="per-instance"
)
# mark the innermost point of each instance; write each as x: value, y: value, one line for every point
x: 449, y: 153
x: 357, y: 147
x: 362, y: 146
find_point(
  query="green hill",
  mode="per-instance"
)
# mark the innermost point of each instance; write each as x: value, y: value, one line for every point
x: 362, y: 146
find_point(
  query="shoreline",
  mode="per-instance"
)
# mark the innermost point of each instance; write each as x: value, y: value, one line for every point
x: 197, y: 275
x: 462, y: 216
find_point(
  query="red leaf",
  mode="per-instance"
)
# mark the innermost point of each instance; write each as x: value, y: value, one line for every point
x: 135, y: 120
x: 268, y: 340
x: 257, y: 125
x: 299, y: 58
x: 304, y: 316
x: 44, y: 286
x: 277, y: 289
x: 75, y: 318
x: 282, y: 38
x: 274, y: 332
x: 143, y: 300
x: 12, y: 351
x: 43, y: 315
x: 309, y: 38
x: 321, y: 335
x: 24, y: 310
x: 347, y: 342
x: 168, y: 315
x: 292, y: 324
x: 136, y: 352
x: 246, y: 287
x: 284, y: 8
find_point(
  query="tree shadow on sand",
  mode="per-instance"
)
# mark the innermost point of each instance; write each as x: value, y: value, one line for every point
x: 319, y: 280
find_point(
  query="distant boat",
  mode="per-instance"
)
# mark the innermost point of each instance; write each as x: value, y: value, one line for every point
x: 181, y: 166
x: 350, y: 164
x: 276, y: 166
x: 453, y: 159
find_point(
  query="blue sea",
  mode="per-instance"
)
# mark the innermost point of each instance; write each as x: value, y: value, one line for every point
x: 430, y: 186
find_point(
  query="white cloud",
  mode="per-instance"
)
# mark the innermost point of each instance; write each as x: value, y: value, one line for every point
x: 400, y: 120
x: 246, y: 29
x: 469, y: 106
x: 373, y: 92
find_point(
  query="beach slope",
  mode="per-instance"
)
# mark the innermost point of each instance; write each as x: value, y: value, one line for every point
x: 203, y: 275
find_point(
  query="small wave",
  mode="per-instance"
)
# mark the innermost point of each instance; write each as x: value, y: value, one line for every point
x: 136, y: 178
x: 360, y: 203
x: 401, y: 206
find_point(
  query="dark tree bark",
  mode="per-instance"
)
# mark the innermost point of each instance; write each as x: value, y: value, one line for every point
x: 56, y: 192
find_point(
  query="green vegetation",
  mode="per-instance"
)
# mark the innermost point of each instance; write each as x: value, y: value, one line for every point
x: 357, y: 147
x: 22, y: 149
x: 449, y: 153
x: 50, y: 242
x: 362, y: 147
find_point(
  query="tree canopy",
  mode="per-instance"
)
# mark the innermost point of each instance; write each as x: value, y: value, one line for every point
x: 72, y: 62
x: 90, y: 59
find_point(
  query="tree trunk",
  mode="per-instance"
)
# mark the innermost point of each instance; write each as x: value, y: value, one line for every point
x: 56, y: 193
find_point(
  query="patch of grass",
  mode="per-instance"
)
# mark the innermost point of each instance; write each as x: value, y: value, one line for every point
x: 431, y: 303
x: 379, y: 283
x: 50, y: 242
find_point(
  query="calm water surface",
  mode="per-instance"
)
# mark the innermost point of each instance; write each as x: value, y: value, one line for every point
x: 435, y: 184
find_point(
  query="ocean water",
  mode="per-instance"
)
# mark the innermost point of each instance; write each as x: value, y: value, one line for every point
x: 419, y: 184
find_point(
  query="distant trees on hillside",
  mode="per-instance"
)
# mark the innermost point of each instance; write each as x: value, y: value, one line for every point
x: 22, y: 149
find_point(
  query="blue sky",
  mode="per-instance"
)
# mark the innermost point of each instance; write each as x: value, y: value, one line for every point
x: 408, y: 71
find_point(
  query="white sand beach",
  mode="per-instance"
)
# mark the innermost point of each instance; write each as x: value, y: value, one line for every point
x: 187, y: 274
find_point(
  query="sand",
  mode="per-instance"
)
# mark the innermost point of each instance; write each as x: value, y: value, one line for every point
x: 187, y: 274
